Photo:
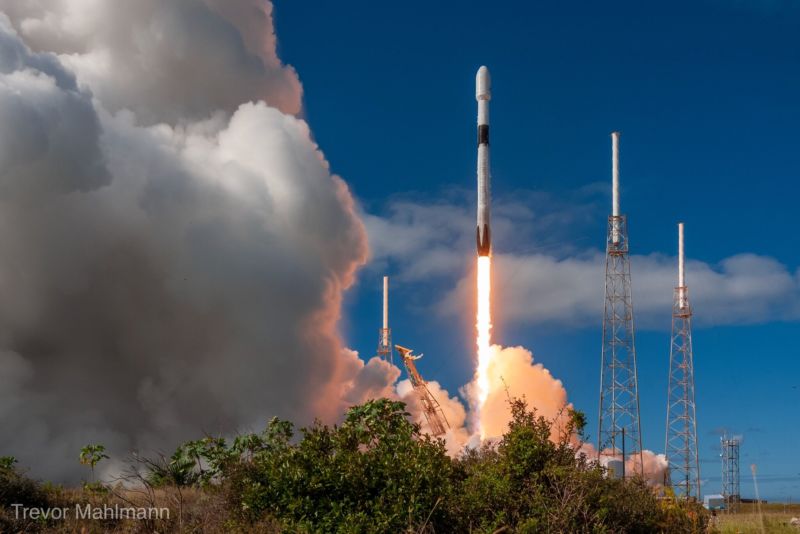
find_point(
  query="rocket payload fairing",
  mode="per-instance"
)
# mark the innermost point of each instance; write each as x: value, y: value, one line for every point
x: 483, y: 95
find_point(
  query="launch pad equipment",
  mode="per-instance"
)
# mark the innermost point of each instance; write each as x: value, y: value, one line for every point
x: 434, y: 414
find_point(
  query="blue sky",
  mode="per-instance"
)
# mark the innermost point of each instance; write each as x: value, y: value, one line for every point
x: 706, y: 97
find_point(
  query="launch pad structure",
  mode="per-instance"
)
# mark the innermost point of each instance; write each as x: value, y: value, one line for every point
x: 681, y: 434
x: 437, y: 421
x: 619, y: 432
x: 431, y: 408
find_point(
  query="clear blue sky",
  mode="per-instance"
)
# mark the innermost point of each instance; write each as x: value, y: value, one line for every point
x: 707, y: 95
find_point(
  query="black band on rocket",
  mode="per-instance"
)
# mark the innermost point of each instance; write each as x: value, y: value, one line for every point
x: 483, y: 134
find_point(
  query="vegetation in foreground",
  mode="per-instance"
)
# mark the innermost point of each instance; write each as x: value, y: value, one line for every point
x: 374, y: 473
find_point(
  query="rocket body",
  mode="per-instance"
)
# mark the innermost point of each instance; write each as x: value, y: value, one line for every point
x: 483, y: 95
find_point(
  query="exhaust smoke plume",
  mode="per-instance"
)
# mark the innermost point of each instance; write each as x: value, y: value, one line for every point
x: 511, y: 372
x: 483, y: 381
x: 173, y: 245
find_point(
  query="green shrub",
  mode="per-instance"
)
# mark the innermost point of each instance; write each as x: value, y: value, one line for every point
x: 16, y: 488
x: 377, y: 473
x: 374, y: 473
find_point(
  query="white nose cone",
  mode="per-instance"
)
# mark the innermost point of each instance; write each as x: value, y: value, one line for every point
x: 483, y: 85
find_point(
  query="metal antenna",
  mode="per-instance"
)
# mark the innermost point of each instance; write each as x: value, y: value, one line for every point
x: 681, y: 435
x: 619, y: 427
x: 385, y: 334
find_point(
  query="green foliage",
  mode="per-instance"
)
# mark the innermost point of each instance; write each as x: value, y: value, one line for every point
x: 377, y: 473
x: 7, y: 463
x: 16, y: 488
x: 374, y: 473
x: 195, y: 463
x: 91, y: 455
x: 178, y: 470
x: 531, y: 483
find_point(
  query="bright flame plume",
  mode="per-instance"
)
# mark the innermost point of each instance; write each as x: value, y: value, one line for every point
x: 484, y: 326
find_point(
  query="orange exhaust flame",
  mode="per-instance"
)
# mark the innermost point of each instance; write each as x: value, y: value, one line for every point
x: 484, y: 326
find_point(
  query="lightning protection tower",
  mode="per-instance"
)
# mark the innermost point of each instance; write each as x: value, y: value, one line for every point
x: 730, y: 470
x: 619, y: 433
x: 434, y: 414
x: 385, y: 333
x: 681, y: 435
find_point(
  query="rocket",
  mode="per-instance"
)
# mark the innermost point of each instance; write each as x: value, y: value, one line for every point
x: 483, y: 95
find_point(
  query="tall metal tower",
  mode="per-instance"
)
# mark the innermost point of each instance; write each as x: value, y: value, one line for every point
x: 619, y: 433
x: 730, y: 470
x: 434, y: 414
x: 385, y: 334
x: 681, y: 435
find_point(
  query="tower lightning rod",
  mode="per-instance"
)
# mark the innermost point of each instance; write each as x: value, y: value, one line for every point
x: 385, y: 309
x: 681, y: 268
x: 615, y: 186
x: 385, y: 333
x: 615, y: 174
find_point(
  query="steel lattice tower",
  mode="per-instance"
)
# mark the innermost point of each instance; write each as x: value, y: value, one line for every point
x: 730, y: 470
x: 681, y: 435
x: 385, y: 333
x: 619, y: 433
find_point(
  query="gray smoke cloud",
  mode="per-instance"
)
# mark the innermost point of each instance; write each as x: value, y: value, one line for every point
x: 173, y: 245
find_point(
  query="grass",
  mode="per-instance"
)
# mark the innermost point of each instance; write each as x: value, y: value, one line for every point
x: 190, y: 510
x: 746, y: 520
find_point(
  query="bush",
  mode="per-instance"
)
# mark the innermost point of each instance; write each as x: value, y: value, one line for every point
x: 529, y: 483
x: 16, y: 488
x: 377, y: 473
x: 374, y: 473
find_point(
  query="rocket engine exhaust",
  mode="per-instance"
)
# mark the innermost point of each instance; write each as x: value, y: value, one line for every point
x: 483, y: 95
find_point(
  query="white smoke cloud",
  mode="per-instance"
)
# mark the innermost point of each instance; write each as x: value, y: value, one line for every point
x: 512, y: 373
x: 457, y: 435
x: 553, y: 280
x: 174, y: 246
x: 654, y: 466
x: 171, y: 60
x: 374, y: 379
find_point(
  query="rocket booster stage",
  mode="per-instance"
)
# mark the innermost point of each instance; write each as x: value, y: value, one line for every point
x: 483, y: 95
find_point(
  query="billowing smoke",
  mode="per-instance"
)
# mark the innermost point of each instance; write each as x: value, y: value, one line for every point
x: 457, y: 435
x: 173, y: 245
x: 171, y: 61
x: 654, y: 466
x: 513, y: 374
